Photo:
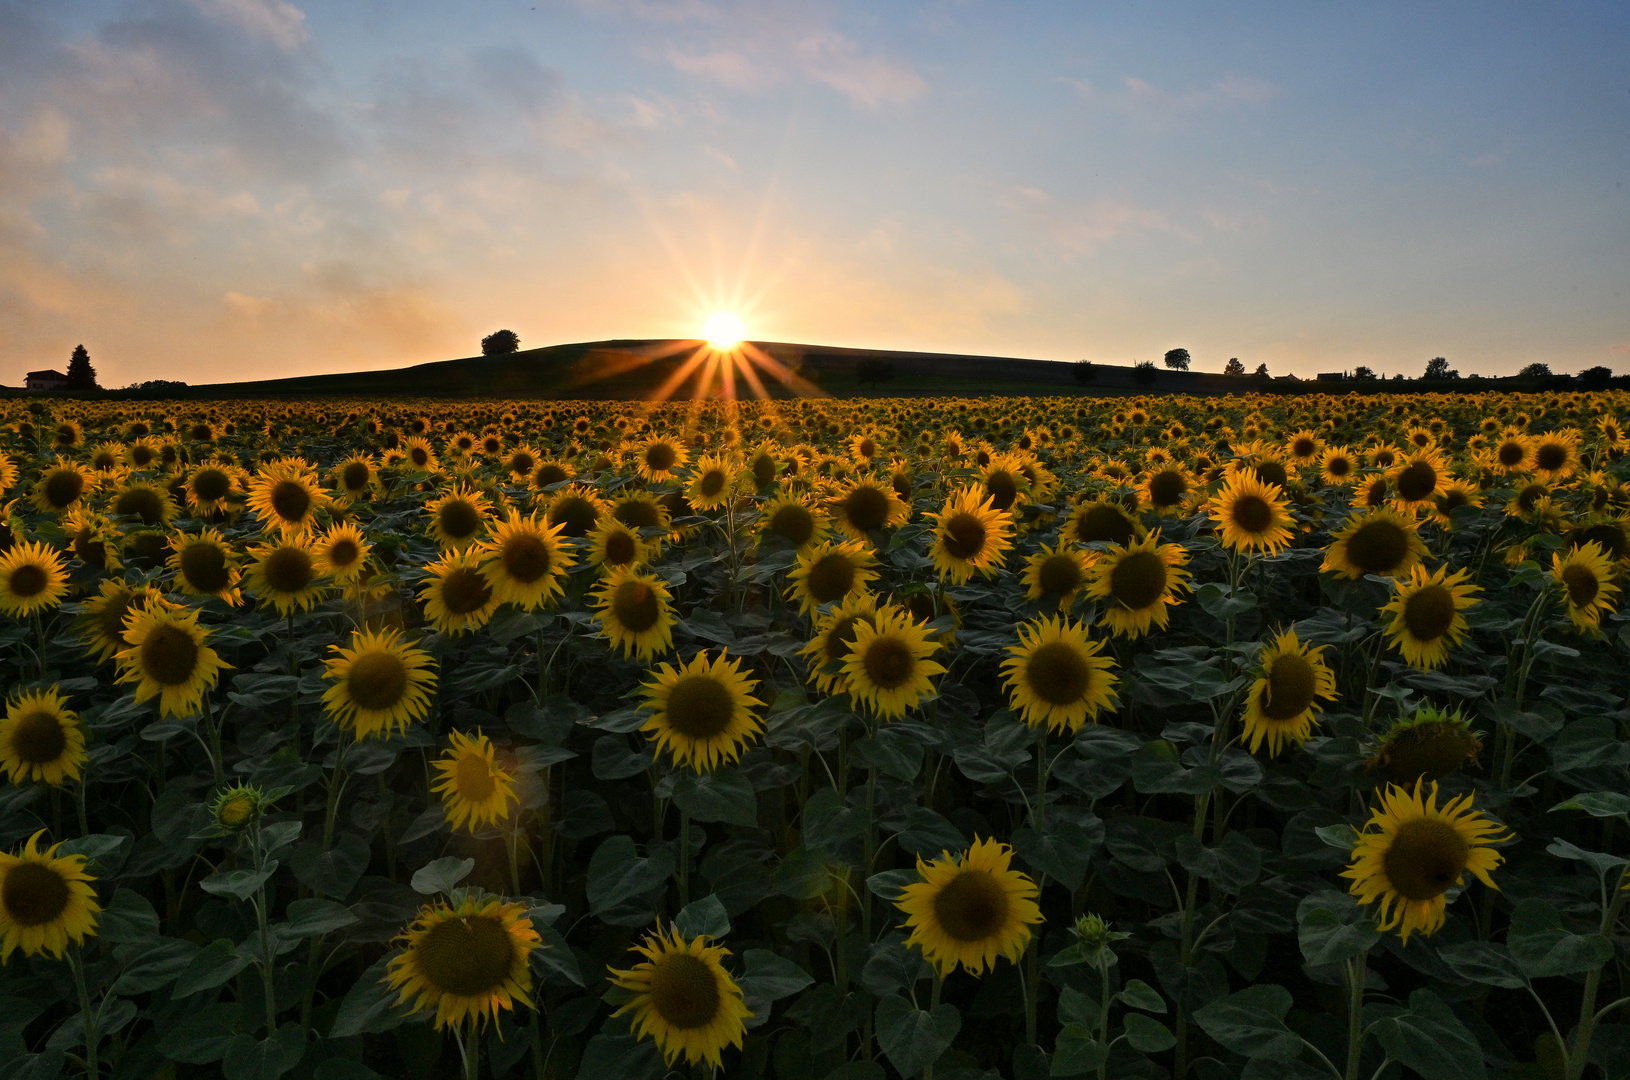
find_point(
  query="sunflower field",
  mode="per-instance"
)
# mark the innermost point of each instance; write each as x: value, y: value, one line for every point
x: 1249, y: 737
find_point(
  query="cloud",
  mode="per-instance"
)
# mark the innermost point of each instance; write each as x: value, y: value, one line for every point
x: 1620, y: 347
x: 870, y: 82
x: 727, y: 67
x: 1139, y: 97
x: 280, y: 23
x: 1080, y: 227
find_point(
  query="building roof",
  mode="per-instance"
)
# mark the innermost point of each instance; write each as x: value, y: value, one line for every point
x: 49, y: 373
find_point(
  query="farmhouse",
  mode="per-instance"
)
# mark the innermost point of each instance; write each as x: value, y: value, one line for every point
x: 50, y: 379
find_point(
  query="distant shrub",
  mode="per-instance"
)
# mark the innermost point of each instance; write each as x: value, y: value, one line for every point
x: 1535, y: 371
x: 500, y: 342
x: 1084, y: 372
x: 1144, y: 373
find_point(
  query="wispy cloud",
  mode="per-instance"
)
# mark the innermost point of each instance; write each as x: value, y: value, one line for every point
x: 1142, y: 98
x: 276, y: 21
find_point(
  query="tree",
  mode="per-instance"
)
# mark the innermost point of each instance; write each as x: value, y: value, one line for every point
x: 1438, y: 368
x: 81, y: 376
x: 1233, y: 367
x: 1535, y: 371
x: 500, y: 342
x: 1261, y: 371
x: 1084, y: 372
x: 874, y: 372
x: 1178, y: 359
x: 1144, y: 373
x: 1364, y: 374
x: 1596, y: 378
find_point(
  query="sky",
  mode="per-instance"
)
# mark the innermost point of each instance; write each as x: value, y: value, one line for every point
x: 213, y: 190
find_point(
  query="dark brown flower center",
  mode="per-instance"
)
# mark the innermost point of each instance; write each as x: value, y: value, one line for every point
x: 288, y: 569
x: 1417, y: 481
x: 866, y: 508
x: 142, y: 502
x: 28, y: 580
x: 1058, y: 575
x: 793, y: 522
x: 290, y: 500
x: 972, y: 906
x: 831, y: 577
x: 1104, y: 523
x: 1271, y: 472
x: 638, y: 513
x: 700, y: 706
x: 34, y: 894
x: 203, y: 564
x: 525, y: 557
x: 342, y: 553
x: 1378, y: 547
x: 169, y: 655
x: 1425, y: 858
x: 210, y: 485
x: 1138, y: 579
x: 660, y: 457
x: 62, y: 487
x: 1291, y: 683
x: 1168, y: 488
x: 1252, y: 514
x: 1551, y: 456
x: 464, y: 590
x: 1429, y: 752
x: 1339, y: 465
x: 37, y: 737
x: 468, y: 957
x: 965, y: 536
x: 576, y: 514
x: 458, y: 519
x: 889, y: 662
x: 621, y: 547
x: 377, y: 679
x: 684, y: 991
x: 1511, y: 453
x: 1058, y: 673
x: 636, y: 606
x: 1429, y: 613
x: 1303, y: 447
x: 473, y: 779
x: 1582, y: 585
x: 355, y: 475
x: 1003, y: 489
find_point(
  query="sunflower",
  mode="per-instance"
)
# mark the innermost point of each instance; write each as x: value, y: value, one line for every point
x: 640, y: 511
x: 474, y: 790
x: 1383, y: 541
x: 101, y: 624
x: 1585, y: 575
x: 341, y: 553
x: 1252, y: 516
x: 169, y: 657
x: 32, y: 578
x: 1371, y: 493
x: 524, y: 562
x: 970, y: 909
x: 1411, y: 852
x: 458, y: 597
x: 658, y: 457
x: 713, y: 482
x: 1056, y: 677
x: 41, y: 739
x: 889, y: 667
x: 1280, y: 705
x: 458, y: 517
x: 1103, y: 521
x: 467, y: 962
x: 701, y: 711
x: 828, y: 572
x: 970, y: 536
x: 1054, y: 575
x: 1456, y: 493
x: 1556, y: 455
x: 1427, y: 746
x: 683, y: 998
x: 1137, y: 584
x: 44, y: 901
x: 204, y: 565
x: 284, y: 495
x: 1514, y: 453
x: 284, y: 574
x: 1166, y: 490
x: 834, y: 637
x: 864, y: 506
x: 93, y: 539
x: 61, y: 485
x: 420, y: 455
x: 213, y: 488
x: 1003, y: 483
x: 1426, y: 619
x: 793, y: 519
x: 1303, y: 447
x: 381, y: 683
x: 1419, y: 479
x: 356, y: 478
x: 1338, y: 466
x: 636, y: 612
x: 237, y: 807
x: 613, y: 545
x: 143, y: 500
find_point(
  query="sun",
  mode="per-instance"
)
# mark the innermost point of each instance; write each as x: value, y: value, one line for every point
x: 724, y: 330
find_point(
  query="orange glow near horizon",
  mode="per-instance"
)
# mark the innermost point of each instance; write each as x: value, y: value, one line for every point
x: 724, y: 330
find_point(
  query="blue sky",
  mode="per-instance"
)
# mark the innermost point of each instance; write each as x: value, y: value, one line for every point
x: 201, y: 189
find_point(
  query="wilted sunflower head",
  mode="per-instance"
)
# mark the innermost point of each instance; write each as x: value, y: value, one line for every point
x: 1426, y: 746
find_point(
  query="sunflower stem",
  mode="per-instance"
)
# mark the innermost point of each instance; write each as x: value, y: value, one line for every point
x: 92, y: 1036
x: 214, y: 741
x: 1357, y: 972
x: 79, y: 802
x: 1578, y: 1056
x: 266, y: 965
x: 684, y: 857
x: 933, y: 1003
x: 512, y: 845
x: 336, y: 785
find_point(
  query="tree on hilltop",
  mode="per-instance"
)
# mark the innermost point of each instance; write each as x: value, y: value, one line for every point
x: 1144, y: 373
x: 1178, y: 359
x: 1233, y: 367
x: 1438, y: 368
x: 1535, y: 370
x: 1084, y: 372
x: 81, y: 376
x: 1261, y: 371
x: 500, y: 342
x: 1364, y: 374
x: 1595, y: 378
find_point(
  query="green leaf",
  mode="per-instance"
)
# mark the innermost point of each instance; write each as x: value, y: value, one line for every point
x: 891, y: 967
x: 1252, y: 1023
x: 618, y: 875
x: 127, y: 919
x: 334, y: 872
x: 621, y: 1057
x: 725, y: 794
x: 1484, y: 962
x: 343, y: 1069
x: 157, y: 966
x: 116, y: 1013
x: 369, y: 1007
x: 1077, y: 1052
x: 893, y: 753
x: 1148, y: 1034
x: 203, y: 1036
x: 1063, y: 852
x: 248, y: 1058
x: 613, y: 759
x: 888, y: 885
x: 1232, y: 864
x: 240, y: 884
x: 769, y: 977
x: 310, y: 918
x: 709, y: 626
x: 214, y: 965
x: 442, y: 875
x: 1155, y: 774
x: 1327, y: 939
x: 1140, y: 995
x: 1430, y: 1039
x: 100, y: 849
x: 706, y: 916
x: 912, y: 1038
x: 1542, y: 947
x: 1598, y: 804
x: 929, y: 834
x: 1584, y: 744
x: 829, y: 822
x: 804, y: 875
